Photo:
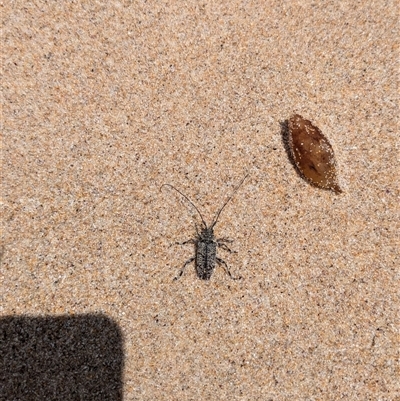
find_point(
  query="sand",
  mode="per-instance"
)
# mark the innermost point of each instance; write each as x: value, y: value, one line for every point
x: 103, y: 103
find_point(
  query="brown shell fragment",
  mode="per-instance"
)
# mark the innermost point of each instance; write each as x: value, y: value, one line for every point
x: 313, y: 154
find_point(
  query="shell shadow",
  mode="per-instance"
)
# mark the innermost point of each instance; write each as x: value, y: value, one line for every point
x: 285, y: 141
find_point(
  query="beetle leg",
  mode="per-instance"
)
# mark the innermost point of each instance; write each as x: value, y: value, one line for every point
x: 225, y: 247
x: 228, y: 240
x: 183, y: 268
x: 191, y: 241
x: 225, y: 266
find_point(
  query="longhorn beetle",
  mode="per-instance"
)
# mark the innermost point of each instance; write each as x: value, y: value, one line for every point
x: 206, y: 244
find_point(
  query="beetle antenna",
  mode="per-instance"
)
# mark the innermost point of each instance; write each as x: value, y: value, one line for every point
x: 233, y: 194
x: 198, y: 211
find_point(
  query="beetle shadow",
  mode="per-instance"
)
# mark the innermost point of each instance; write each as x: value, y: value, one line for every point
x: 60, y: 358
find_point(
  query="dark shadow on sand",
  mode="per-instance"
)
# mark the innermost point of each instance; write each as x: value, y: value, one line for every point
x: 60, y: 358
x: 285, y: 142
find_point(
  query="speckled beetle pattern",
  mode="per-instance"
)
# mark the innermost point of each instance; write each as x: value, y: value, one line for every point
x: 206, y: 244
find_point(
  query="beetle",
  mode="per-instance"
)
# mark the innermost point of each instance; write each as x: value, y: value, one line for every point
x: 206, y: 244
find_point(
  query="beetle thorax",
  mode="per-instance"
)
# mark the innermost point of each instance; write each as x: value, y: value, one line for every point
x: 207, y: 234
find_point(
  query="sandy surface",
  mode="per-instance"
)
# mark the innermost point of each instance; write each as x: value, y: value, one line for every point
x: 103, y: 102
